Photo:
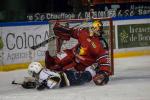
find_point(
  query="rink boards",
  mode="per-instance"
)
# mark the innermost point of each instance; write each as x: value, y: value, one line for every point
x: 17, y: 37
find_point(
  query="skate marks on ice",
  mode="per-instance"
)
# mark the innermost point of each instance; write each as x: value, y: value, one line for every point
x: 115, y: 80
x: 131, y: 69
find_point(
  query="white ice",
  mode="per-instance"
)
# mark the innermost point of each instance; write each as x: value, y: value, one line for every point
x: 130, y: 82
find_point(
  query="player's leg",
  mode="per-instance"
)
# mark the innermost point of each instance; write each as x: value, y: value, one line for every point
x: 49, y: 60
x: 63, y: 60
x: 76, y: 78
x: 73, y: 78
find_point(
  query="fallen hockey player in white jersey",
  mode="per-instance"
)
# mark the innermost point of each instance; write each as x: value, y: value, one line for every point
x: 49, y: 79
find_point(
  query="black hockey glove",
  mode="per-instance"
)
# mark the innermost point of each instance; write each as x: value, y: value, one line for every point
x: 42, y: 85
x: 101, y: 78
x: 29, y: 85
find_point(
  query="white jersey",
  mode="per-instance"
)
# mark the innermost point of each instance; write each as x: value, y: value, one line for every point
x: 46, y: 74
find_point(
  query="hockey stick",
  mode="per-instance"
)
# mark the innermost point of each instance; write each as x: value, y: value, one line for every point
x: 49, y: 39
x: 43, y: 43
x: 13, y: 82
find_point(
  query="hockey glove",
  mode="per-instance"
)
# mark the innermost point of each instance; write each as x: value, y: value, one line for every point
x: 29, y: 85
x: 101, y: 78
x: 62, y: 32
x: 42, y: 85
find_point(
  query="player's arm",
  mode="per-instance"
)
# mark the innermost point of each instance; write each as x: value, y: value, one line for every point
x: 64, y: 32
x: 50, y: 82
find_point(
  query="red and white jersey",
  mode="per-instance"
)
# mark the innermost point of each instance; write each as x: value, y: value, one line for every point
x: 90, y: 50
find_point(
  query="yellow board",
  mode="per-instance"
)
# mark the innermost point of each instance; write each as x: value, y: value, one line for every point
x: 131, y: 53
x: 16, y: 66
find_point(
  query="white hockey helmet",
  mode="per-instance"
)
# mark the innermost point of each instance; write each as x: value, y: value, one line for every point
x: 34, y: 68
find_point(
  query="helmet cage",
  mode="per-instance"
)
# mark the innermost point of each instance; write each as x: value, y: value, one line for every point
x: 97, y: 27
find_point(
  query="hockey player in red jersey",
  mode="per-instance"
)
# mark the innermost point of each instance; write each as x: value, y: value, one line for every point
x: 90, y: 51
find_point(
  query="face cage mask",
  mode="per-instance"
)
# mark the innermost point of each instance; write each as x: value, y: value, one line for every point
x: 96, y: 32
x: 32, y: 73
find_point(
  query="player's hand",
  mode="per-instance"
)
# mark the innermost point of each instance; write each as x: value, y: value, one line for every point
x: 63, y: 32
x: 29, y: 85
x: 42, y: 85
x: 101, y: 78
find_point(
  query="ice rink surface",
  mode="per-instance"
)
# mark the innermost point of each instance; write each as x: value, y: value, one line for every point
x: 130, y: 82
